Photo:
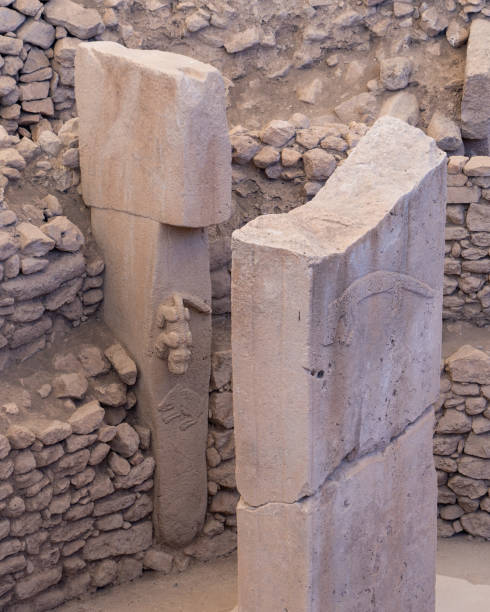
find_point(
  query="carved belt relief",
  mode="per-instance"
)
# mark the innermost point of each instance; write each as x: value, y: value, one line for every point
x: 341, y: 319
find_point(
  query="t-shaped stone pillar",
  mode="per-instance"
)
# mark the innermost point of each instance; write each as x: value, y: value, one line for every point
x: 154, y: 155
x: 336, y: 316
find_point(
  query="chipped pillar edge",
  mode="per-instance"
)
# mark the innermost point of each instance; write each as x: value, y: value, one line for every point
x: 151, y: 262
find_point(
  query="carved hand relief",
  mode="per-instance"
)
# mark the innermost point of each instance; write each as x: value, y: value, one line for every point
x: 182, y: 407
x: 175, y: 341
x: 341, y: 320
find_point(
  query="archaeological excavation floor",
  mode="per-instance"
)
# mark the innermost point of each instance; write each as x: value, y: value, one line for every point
x: 463, y: 583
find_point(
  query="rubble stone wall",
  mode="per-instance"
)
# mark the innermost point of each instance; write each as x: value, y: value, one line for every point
x: 462, y: 444
x: 75, y: 492
x: 47, y: 266
x: 467, y: 263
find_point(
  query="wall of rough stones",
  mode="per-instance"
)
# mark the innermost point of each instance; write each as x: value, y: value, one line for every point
x: 75, y: 491
x: 462, y: 444
x: 249, y: 42
x: 467, y: 264
x: 47, y: 267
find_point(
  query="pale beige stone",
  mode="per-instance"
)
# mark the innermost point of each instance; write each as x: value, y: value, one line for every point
x: 368, y: 535
x: 153, y: 135
x: 331, y: 302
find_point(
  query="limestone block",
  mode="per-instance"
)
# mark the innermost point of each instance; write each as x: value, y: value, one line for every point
x: 475, y: 111
x: 333, y: 300
x: 368, y: 535
x: 153, y: 135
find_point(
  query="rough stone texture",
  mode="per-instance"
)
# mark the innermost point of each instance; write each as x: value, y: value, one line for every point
x: 475, y: 113
x: 192, y: 186
x: 462, y: 455
x: 387, y: 539
x: 402, y: 280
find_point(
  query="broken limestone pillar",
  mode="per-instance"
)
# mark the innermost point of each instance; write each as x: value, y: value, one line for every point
x: 475, y: 108
x: 155, y: 161
x: 336, y: 339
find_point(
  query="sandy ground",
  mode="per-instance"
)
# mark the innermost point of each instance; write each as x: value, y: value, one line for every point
x: 463, y: 583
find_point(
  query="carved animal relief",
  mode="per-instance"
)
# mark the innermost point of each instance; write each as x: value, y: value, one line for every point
x: 175, y: 341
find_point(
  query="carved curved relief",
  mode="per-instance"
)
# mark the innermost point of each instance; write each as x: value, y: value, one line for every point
x: 174, y: 343
x: 182, y: 406
x: 341, y: 317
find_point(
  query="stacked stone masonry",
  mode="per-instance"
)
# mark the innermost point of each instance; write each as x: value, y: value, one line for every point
x: 462, y: 444
x: 39, y: 39
x: 47, y: 268
x: 467, y: 263
x: 75, y: 492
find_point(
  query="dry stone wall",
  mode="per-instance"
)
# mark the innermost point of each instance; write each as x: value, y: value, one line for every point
x: 462, y: 444
x: 467, y: 263
x: 47, y: 267
x: 75, y: 491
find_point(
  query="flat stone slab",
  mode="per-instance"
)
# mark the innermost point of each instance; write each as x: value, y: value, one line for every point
x: 475, y: 110
x: 365, y: 541
x: 339, y: 303
x: 153, y: 135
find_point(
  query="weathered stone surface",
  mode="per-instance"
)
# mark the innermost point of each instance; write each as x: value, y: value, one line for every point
x: 474, y: 467
x: 73, y: 385
x: 126, y: 440
x: 475, y: 114
x: 37, y: 32
x: 79, y: 21
x: 64, y: 233
x: 192, y: 186
x: 469, y: 364
x: 340, y: 276
x: 205, y: 548
x: 403, y: 105
x: 87, y: 418
x: 10, y: 20
x: 54, y: 431
x: 30, y: 586
x: 445, y: 132
x: 123, y: 364
x: 158, y: 560
x: 307, y: 535
x: 477, y: 523
x: 453, y: 422
x: 60, y: 269
x: 478, y: 445
x: 119, y: 542
x: 395, y: 72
